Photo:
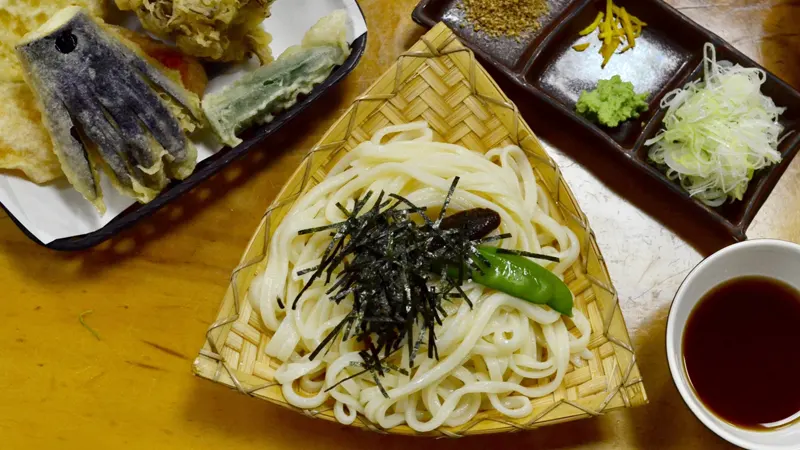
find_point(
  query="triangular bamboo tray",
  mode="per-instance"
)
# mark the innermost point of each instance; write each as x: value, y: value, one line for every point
x: 439, y: 81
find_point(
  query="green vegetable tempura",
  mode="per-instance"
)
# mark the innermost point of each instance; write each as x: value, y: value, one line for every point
x: 613, y: 102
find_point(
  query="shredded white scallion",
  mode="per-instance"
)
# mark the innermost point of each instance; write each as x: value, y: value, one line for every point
x: 718, y: 131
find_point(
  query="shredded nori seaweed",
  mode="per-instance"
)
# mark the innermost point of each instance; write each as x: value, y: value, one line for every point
x: 505, y: 251
x: 389, y: 264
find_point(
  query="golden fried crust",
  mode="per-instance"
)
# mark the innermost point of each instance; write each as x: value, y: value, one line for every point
x: 187, y: 70
x: 24, y: 143
x: 223, y: 30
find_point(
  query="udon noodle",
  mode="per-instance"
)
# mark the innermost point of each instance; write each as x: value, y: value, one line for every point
x: 498, y: 355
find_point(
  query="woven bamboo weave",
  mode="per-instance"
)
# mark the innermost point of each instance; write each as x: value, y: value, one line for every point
x: 439, y: 81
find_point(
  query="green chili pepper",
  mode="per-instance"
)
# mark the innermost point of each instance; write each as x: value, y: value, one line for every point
x: 519, y: 276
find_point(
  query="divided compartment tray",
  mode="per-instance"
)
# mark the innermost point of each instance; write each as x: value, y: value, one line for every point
x: 205, y: 169
x: 668, y: 55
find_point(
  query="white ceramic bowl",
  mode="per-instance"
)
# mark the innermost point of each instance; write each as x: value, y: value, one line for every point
x: 765, y: 257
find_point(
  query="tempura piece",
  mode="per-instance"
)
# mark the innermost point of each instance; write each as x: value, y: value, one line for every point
x: 19, y: 17
x: 262, y: 94
x: 24, y: 143
x: 218, y: 30
x: 181, y: 68
x: 104, y: 103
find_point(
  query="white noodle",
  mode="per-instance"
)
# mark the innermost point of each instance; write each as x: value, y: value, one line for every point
x: 491, y: 356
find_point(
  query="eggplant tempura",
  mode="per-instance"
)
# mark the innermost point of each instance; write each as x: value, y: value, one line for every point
x: 105, y: 103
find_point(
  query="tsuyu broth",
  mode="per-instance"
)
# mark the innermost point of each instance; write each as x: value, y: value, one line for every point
x: 741, y: 350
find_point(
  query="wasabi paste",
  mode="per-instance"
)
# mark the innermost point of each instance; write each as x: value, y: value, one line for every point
x: 612, y: 102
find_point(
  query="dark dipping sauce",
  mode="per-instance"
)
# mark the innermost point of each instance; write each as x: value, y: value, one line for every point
x: 741, y: 350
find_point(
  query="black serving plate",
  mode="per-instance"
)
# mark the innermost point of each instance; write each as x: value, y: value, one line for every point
x: 667, y: 56
x: 205, y: 168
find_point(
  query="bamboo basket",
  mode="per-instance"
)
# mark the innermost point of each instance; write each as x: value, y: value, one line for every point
x: 439, y: 81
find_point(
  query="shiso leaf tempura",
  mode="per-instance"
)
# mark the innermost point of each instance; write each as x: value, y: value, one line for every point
x: 260, y: 95
x: 718, y: 131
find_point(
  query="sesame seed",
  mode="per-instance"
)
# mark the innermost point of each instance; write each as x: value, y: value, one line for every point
x: 510, y: 18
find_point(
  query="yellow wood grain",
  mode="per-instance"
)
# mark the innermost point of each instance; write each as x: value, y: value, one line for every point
x: 155, y: 289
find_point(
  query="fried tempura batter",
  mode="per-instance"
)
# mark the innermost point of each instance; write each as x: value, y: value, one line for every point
x: 219, y: 30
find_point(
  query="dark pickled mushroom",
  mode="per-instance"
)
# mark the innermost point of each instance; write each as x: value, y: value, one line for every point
x: 475, y: 223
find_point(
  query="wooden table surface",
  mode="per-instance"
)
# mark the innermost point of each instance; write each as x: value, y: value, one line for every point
x: 155, y: 289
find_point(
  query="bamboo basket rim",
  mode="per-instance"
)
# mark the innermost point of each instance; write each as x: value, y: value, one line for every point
x: 217, y: 360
